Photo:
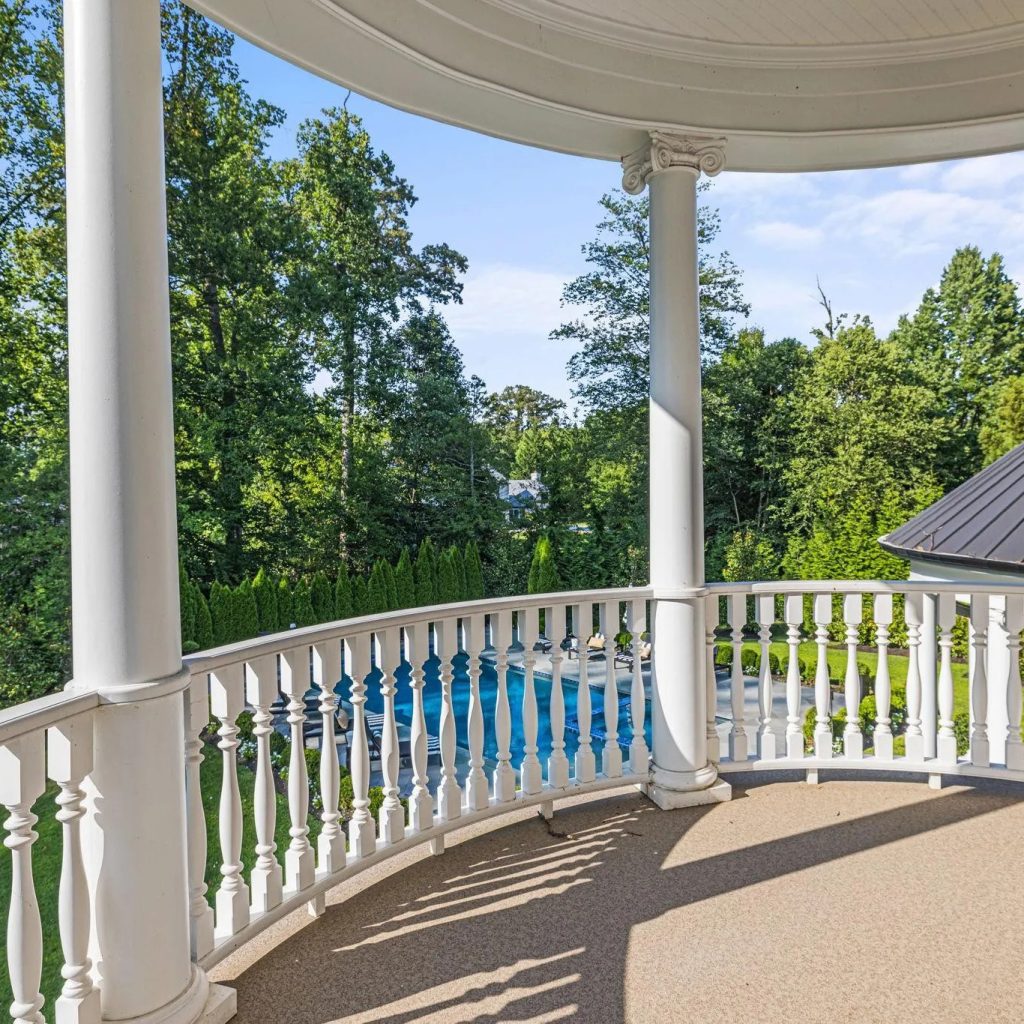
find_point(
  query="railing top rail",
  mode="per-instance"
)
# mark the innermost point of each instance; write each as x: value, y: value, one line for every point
x: 865, y: 587
x: 33, y: 715
x: 278, y: 643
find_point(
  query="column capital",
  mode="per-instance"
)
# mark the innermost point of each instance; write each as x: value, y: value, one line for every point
x: 666, y: 149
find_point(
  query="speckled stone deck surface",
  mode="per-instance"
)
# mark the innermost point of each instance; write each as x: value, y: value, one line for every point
x: 859, y: 901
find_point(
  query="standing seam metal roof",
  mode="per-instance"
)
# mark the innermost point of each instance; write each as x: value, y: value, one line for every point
x: 980, y: 523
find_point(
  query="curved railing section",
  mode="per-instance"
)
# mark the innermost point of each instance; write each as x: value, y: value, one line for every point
x: 758, y: 699
x: 444, y: 700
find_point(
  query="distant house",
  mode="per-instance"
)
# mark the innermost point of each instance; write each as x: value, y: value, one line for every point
x: 521, y: 496
x: 975, y: 533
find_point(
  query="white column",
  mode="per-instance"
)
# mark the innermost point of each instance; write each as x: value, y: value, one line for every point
x: 127, y: 641
x: 998, y: 671
x: 670, y: 164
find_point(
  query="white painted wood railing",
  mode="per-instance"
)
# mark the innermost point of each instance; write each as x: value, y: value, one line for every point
x: 784, y: 619
x: 755, y: 720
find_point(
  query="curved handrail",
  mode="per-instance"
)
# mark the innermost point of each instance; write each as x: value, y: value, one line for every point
x: 37, y: 715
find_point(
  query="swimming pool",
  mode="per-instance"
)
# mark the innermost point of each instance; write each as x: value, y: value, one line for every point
x: 488, y: 698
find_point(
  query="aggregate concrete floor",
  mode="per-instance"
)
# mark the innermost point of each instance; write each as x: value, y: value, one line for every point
x: 859, y: 901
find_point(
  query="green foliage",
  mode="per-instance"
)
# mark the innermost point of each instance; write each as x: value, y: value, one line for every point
x: 1003, y: 426
x: 458, y: 571
x: 474, y: 572
x: 204, y: 623
x: 343, y: 608
x: 186, y: 601
x: 265, y: 593
x: 543, y: 578
x: 302, y: 605
x: 285, y: 606
x: 246, y: 614
x: 221, y: 613
x: 749, y: 557
x: 390, y: 585
x: 360, y: 597
x: 425, y: 573
x: 322, y: 598
x: 376, y: 592
x: 405, y: 582
x: 962, y: 732
x: 447, y: 579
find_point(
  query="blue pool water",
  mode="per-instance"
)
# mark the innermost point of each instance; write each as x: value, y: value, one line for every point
x: 488, y: 696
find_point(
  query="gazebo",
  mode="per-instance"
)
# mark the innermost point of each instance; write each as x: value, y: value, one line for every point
x: 671, y: 88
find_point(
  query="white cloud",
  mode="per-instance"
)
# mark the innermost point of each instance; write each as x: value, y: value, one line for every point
x: 781, y: 234
x: 988, y: 174
x: 500, y: 299
x: 783, y: 298
x: 917, y: 174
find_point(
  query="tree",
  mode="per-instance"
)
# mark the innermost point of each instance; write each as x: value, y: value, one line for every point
x: 302, y: 605
x: 376, y: 591
x: 220, y: 614
x: 343, y: 594
x: 186, y: 603
x: 474, y: 572
x: 265, y: 593
x: 1003, y: 426
x: 750, y: 557
x: 360, y: 598
x: 447, y: 579
x: 515, y: 409
x: 543, y: 571
x: 965, y: 340
x: 285, y: 609
x: 204, y: 624
x: 405, y: 583
x: 322, y: 598
x: 426, y: 575
x: 390, y: 585
x: 247, y: 622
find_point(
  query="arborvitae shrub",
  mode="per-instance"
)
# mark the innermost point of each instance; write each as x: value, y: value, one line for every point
x: 543, y: 578
x: 285, y: 605
x: 247, y: 622
x: 390, y: 585
x: 447, y: 585
x: 322, y: 598
x: 360, y: 599
x: 220, y: 613
x: 186, y: 601
x: 343, y: 594
x: 376, y: 591
x: 425, y: 573
x: 204, y: 624
x: 302, y: 605
x: 474, y: 573
x: 265, y: 593
x: 405, y: 582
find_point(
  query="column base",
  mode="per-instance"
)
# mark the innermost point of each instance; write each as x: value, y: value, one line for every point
x: 673, y: 799
x: 200, y: 1003
x: 221, y: 1005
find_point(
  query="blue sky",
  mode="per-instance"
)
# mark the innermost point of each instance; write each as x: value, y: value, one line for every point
x: 876, y: 239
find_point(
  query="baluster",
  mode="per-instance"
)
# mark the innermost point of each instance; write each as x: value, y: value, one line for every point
x: 260, y: 692
x: 853, y: 738
x: 946, y: 740
x: 362, y: 839
x: 882, y: 738
x: 769, y: 742
x: 421, y: 805
x: 586, y: 763
x: 391, y: 817
x: 558, y: 762
x: 712, y: 616
x: 22, y: 781
x: 473, y: 639
x: 197, y: 717
x: 611, y: 754
x: 822, y: 690
x: 530, y: 780
x: 1014, y: 625
x: 737, y: 605
x: 69, y: 760
x: 979, y: 680
x: 299, y: 869
x: 639, y: 755
x: 330, y: 843
x: 227, y: 690
x: 504, y: 780
x: 794, y: 730
x: 449, y: 794
x: 914, y: 610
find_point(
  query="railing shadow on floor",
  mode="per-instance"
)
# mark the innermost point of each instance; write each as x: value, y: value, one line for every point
x: 536, y: 924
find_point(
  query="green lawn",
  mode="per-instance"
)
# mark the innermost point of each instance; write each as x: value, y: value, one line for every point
x: 47, y: 858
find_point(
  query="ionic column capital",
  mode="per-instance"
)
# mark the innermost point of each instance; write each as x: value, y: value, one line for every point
x: 666, y: 150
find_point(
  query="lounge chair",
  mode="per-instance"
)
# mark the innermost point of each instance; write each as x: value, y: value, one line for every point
x: 626, y: 657
x: 543, y: 644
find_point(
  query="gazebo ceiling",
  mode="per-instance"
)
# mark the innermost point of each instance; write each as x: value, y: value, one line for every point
x: 792, y: 84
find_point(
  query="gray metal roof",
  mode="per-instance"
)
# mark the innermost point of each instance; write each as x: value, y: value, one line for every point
x: 978, y: 524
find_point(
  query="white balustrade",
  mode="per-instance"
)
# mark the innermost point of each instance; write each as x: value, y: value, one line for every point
x: 558, y: 762
x: 391, y: 816
x: 473, y: 642
x: 265, y: 881
x: 504, y: 780
x: 639, y: 755
x: 914, y: 613
x: 979, y: 680
x: 449, y: 794
x: 1014, y: 625
x: 327, y: 674
x: 611, y: 754
x: 853, y: 738
x: 421, y: 804
x: 946, y: 740
x: 882, y: 739
x: 68, y: 761
x: 822, y: 685
x: 530, y: 779
x: 770, y: 744
x: 200, y: 913
x: 794, y: 612
x: 712, y: 613
x: 299, y: 867
x: 737, y: 611
x: 362, y: 837
x: 582, y: 625
x: 22, y: 781
x: 227, y: 698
